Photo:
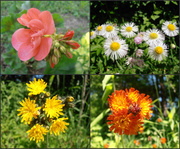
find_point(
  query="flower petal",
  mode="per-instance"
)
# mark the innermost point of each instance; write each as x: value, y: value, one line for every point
x: 48, y: 22
x: 24, y: 20
x: 36, y: 25
x: 20, y: 36
x: 73, y: 44
x: 68, y: 35
x: 44, y: 48
x: 33, y: 13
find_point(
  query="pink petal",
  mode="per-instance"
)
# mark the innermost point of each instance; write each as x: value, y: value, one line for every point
x: 38, y: 34
x: 26, y: 51
x: 36, y: 25
x: 48, y: 22
x: 68, y: 35
x: 33, y: 13
x: 73, y: 44
x: 24, y: 20
x: 44, y: 48
x: 20, y: 36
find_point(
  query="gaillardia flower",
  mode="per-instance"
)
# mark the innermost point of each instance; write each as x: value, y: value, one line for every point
x: 28, y: 111
x: 58, y: 126
x: 53, y: 107
x: 37, y: 132
x: 36, y: 87
x: 129, y: 110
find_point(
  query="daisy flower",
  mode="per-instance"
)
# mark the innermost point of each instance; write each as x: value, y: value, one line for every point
x: 128, y: 30
x: 28, y: 111
x: 153, y: 36
x: 37, y: 132
x: 131, y: 61
x: 93, y: 34
x: 36, y: 87
x: 110, y: 30
x: 53, y: 107
x: 139, y: 52
x: 115, y: 47
x: 170, y: 28
x: 58, y: 126
x: 100, y: 30
x: 158, y: 51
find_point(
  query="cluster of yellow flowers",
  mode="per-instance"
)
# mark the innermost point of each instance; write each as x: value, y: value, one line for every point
x: 42, y: 111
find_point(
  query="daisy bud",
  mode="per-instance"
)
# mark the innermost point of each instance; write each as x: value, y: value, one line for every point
x: 138, y: 40
x: 173, y: 46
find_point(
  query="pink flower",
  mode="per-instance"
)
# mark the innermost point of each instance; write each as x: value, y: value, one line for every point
x: 31, y: 42
x: 139, y: 52
x: 138, y: 40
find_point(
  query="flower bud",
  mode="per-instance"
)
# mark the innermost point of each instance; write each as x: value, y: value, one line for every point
x: 173, y: 46
x: 47, y: 94
x: 55, y: 60
x: 138, y: 40
x: 57, y: 53
x: 63, y: 49
x: 56, y: 43
x: 69, y: 98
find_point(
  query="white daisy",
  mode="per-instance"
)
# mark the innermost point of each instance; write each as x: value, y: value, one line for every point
x: 158, y: 51
x: 170, y: 28
x: 153, y: 36
x: 128, y: 30
x: 117, y: 48
x: 100, y: 30
x: 110, y: 30
x: 93, y: 34
x: 139, y: 52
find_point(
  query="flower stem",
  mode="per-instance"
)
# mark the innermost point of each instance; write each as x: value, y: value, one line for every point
x: 47, y: 141
x: 122, y: 140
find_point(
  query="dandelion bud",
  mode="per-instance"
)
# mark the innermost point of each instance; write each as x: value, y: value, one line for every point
x: 47, y: 94
x: 57, y: 53
x: 173, y: 46
x: 69, y: 98
x: 55, y: 60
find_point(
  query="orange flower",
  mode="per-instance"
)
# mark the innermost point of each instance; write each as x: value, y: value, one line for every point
x: 149, y: 138
x: 106, y: 145
x: 154, y: 146
x: 159, y: 120
x: 129, y: 110
x: 163, y: 140
x: 136, y: 142
x: 141, y: 129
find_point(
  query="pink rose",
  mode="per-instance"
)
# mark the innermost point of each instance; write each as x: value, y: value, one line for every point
x: 31, y: 42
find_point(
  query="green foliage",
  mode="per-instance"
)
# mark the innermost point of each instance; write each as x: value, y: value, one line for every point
x: 146, y: 15
x: 13, y: 132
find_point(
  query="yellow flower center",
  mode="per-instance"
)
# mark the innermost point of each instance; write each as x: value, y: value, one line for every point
x: 91, y: 33
x: 99, y: 28
x: 153, y: 35
x: 109, y: 28
x: 129, y: 29
x: 115, y: 46
x: 159, y: 50
x: 171, y: 27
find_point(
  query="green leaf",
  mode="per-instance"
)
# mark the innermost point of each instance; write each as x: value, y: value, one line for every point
x: 105, y: 80
x: 154, y: 17
x: 157, y: 12
x: 58, y: 20
x: 107, y: 92
x: 174, y: 2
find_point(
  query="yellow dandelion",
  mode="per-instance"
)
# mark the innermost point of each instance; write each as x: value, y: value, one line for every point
x: 58, y: 126
x: 28, y: 111
x: 37, y: 132
x: 53, y: 107
x: 36, y: 87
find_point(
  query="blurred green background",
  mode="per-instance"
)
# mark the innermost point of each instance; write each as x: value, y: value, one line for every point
x: 164, y: 92
x: 14, y: 90
x: 73, y: 15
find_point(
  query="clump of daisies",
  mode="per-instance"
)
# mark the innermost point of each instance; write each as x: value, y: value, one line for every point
x: 43, y: 113
x: 118, y: 41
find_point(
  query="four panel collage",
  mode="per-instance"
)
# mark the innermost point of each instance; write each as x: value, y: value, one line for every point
x: 90, y: 74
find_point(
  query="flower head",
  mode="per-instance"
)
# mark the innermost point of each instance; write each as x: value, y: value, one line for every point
x: 131, y: 61
x: 58, y: 126
x: 163, y: 140
x: 149, y: 138
x: 128, y: 30
x: 115, y: 48
x: 106, y: 145
x: 93, y: 34
x: 28, y: 111
x: 141, y: 129
x: 32, y: 42
x: 36, y: 87
x: 170, y: 28
x: 158, y: 51
x: 153, y: 36
x: 53, y: 107
x: 136, y: 142
x: 154, y: 146
x: 37, y: 132
x: 100, y: 30
x: 139, y: 52
x: 159, y: 120
x: 138, y: 40
x: 110, y: 30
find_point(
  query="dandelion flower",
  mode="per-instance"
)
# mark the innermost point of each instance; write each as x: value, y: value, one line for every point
x: 58, y: 126
x: 100, y: 30
x: 93, y: 34
x: 163, y: 140
x: 110, y: 30
x: 28, y: 111
x: 115, y: 48
x: 37, y: 132
x: 53, y: 107
x: 170, y: 28
x: 128, y: 30
x: 36, y: 87
x: 153, y: 36
x: 158, y: 51
x: 154, y: 146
